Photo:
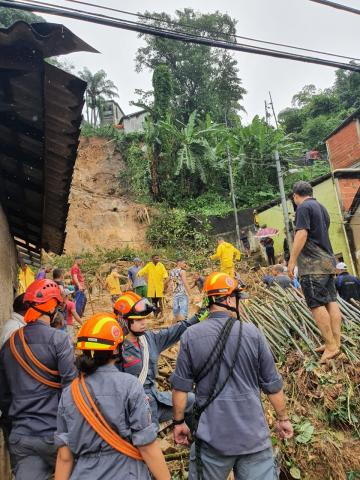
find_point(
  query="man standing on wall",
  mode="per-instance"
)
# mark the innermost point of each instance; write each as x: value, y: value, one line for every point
x: 156, y: 276
x: 313, y: 254
x: 78, y: 281
x: 226, y: 253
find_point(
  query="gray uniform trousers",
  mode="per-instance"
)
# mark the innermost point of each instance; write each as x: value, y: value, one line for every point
x: 253, y: 466
x: 34, y: 457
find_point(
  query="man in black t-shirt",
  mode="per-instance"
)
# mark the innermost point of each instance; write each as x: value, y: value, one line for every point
x: 313, y: 254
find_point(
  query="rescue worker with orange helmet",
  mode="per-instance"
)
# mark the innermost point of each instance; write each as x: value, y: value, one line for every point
x: 35, y: 364
x: 104, y: 418
x: 230, y: 363
x: 142, y: 348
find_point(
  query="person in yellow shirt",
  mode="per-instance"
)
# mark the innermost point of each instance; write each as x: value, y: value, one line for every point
x: 112, y: 284
x: 25, y: 277
x: 156, y: 281
x: 256, y: 219
x: 226, y: 253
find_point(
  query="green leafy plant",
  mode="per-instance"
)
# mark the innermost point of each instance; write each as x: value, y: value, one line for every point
x: 304, y: 432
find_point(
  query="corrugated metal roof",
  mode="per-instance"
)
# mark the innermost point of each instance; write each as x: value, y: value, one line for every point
x: 40, y: 107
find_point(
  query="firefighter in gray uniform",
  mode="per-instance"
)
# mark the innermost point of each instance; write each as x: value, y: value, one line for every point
x: 35, y: 364
x: 104, y: 428
x: 142, y: 349
x: 230, y: 363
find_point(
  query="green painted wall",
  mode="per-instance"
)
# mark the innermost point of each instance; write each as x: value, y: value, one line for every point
x: 325, y: 194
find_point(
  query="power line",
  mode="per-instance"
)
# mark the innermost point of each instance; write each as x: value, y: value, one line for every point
x: 37, y: 2
x: 338, y: 6
x: 140, y: 28
x: 175, y: 24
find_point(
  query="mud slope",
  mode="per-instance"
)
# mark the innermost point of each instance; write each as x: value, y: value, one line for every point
x: 100, y: 215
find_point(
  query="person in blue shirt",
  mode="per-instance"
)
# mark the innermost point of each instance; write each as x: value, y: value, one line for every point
x: 230, y: 363
x: 142, y: 349
x: 347, y: 285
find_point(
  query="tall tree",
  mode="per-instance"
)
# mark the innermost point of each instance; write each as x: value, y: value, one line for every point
x: 163, y: 94
x: 205, y: 79
x: 99, y: 89
x: 316, y: 113
x: 347, y: 87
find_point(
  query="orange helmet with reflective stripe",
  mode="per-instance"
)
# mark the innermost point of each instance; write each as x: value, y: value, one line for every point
x: 100, y: 332
x: 131, y: 305
x: 219, y: 284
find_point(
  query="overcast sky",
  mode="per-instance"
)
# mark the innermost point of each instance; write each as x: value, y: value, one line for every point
x: 297, y: 22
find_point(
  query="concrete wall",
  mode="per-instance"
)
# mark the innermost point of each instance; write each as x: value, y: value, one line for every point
x: 325, y: 194
x: 8, y: 273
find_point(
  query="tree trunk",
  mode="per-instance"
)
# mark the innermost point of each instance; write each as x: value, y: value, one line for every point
x: 154, y: 171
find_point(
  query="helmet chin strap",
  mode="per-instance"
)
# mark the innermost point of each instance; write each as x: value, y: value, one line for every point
x: 137, y: 334
x: 118, y: 357
x: 228, y: 307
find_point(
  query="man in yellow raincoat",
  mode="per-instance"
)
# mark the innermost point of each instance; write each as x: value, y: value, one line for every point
x: 226, y: 253
x: 156, y: 278
x: 25, y: 277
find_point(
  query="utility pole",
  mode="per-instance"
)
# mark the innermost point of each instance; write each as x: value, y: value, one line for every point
x: 283, y: 199
x: 281, y: 186
x: 232, y: 192
x: 267, y: 115
x: 273, y: 110
x: 233, y: 197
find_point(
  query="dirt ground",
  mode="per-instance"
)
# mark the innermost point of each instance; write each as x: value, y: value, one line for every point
x: 100, y: 214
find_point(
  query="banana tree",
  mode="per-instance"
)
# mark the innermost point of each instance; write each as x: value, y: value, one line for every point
x: 195, y: 153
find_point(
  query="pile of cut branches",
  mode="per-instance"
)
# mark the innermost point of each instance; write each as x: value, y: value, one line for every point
x: 286, y: 321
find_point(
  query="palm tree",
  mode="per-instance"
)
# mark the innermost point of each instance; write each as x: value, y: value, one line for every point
x: 99, y: 89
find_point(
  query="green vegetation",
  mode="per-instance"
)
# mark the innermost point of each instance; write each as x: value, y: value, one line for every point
x: 99, y: 89
x: 181, y: 159
x: 204, y: 79
x: 316, y: 113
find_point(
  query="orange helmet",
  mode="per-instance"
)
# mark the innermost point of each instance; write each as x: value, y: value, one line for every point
x: 42, y: 296
x: 100, y: 332
x: 131, y: 305
x: 219, y: 285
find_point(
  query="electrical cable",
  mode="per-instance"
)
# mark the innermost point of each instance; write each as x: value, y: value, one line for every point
x: 338, y: 6
x: 95, y: 14
x: 175, y: 24
x: 140, y: 28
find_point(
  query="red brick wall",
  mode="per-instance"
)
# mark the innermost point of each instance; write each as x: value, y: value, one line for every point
x: 348, y: 188
x: 344, y: 146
